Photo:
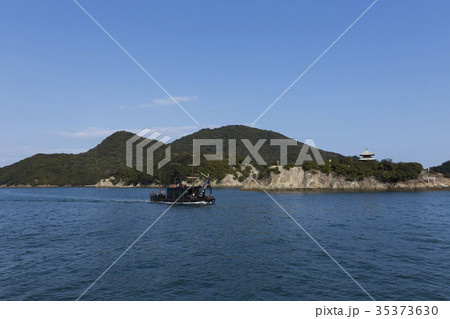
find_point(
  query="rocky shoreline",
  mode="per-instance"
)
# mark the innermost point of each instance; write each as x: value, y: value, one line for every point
x: 298, y: 180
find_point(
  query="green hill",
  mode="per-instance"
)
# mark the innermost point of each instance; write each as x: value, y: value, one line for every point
x: 271, y: 154
x: 108, y: 159
x: 444, y: 169
x: 69, y: 169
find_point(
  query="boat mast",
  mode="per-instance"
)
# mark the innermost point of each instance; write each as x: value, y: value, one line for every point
x: 160, y: 186
x: 192, y: 172
x: 174, y: 163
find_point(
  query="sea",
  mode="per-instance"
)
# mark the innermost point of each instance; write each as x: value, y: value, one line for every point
x: 113, y: 244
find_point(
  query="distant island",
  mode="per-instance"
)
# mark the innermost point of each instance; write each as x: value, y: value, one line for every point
x: 104, y: 166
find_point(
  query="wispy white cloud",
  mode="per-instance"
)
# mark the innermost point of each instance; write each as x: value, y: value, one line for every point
x: 158, y: 102
x: 88, y: 133
x: 97, y: 133
x: 16, y: 153
x: 176, y: 131
x: 169, y: 101
x: 144, y: 105
x: 84, y: 140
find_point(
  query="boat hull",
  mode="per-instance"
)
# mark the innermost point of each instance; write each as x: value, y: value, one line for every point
x: 194, y: 201
x: 180, y: 194
x: 184, y: 203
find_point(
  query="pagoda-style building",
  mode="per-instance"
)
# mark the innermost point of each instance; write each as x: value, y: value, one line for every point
x: 367, y: 156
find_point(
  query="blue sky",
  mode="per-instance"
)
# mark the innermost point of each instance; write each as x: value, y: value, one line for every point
x: 64, y: 85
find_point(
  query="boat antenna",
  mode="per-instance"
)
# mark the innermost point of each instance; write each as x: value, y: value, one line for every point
x: 159, y: 181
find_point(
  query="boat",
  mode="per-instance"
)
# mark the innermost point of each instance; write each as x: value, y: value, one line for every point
x: 183, y: 194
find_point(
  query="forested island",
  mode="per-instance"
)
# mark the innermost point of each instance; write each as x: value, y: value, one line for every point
x: 104, y: 165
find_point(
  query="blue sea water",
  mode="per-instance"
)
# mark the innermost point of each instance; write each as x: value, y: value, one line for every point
x: 55, y: 242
